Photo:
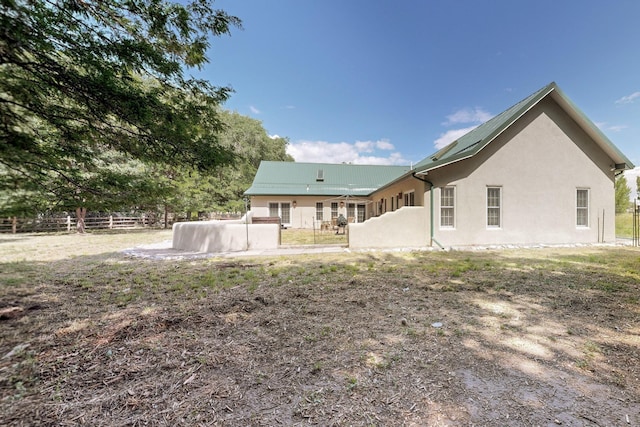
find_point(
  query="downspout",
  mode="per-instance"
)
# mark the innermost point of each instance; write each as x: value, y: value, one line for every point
x: 432, y: 239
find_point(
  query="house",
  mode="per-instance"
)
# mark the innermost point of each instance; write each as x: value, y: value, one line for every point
x: 539, y: 172
x: 307, y: 195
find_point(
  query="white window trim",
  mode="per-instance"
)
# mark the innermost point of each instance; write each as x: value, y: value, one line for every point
x: 455, y: 202
x: 408, y: 195
x: 588, y: 207
x: 321, y: 211
x: 486, y: 210
x: 280, y: 211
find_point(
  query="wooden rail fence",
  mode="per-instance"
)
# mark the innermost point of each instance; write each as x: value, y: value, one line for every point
x: 68, y: 223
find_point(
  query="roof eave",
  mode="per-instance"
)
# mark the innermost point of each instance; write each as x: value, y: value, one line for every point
x: 498, y: 131
x: 621, y: 162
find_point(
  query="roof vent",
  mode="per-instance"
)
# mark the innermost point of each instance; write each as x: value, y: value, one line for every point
x: 320, y: 175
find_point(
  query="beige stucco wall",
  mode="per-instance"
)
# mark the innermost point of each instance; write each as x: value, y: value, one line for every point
x: 224, y: 236
x: 396, y: 191
x: 303, y: 215
x: 405, y: 227
x: 539, y: 163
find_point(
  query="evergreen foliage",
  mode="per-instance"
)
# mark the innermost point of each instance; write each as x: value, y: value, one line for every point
x: 94, y: 93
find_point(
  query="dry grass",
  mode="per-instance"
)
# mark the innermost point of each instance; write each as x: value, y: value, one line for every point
x: 624, y: 225
x: 296, y: 236
x: 521, y: 337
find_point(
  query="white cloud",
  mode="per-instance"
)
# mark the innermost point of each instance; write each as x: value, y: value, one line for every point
x: 254, y: 110
x: 467, y: 115
x: 371, y: 146
x: 276, y: 136
x: 475, y: 116
x: 631, y: 176
x: 364, y: 146
x: 359, y: 152
x: 604, y: 126
x: 628, y: 99
x: 384, y: 144
x: 450, y: 136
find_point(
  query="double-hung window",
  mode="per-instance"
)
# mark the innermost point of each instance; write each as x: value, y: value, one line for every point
x: 582, y: 207
x: 334, y: 210
x: 319, y: 211
x: 447, y: 207
x: 494, y: 207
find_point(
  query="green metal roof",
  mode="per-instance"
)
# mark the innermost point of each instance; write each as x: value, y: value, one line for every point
x: 475, y: 140
x: 292, y: 178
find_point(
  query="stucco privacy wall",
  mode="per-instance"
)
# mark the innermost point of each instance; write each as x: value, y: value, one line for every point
x: 391, y: 197
x: 405, y: 227
x: 224, y: 236
x: 539, y: 163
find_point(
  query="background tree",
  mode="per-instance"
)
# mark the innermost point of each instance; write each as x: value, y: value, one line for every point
x: 79, y: 78
x: 623, y: 192
x: 223, y: 189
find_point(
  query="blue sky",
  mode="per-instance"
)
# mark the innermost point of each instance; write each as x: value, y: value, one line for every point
x: 388, y: 82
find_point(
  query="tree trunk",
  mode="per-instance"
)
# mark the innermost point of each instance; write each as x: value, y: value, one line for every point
x: 81, y: 213
x: 166, y: 216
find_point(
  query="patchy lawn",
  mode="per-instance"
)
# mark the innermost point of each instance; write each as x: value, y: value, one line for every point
x: 624, y: 225
x: 89, y: 336
x: 298, y: 236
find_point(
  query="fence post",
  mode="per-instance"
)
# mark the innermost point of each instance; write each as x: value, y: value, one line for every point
x: 68, y: 223
x: 110, y: 222
x: 14, y: 225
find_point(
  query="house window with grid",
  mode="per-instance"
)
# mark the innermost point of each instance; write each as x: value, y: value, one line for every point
x: 273, y: 210
x: 282, y: 210
x: 494, y: 207
x: 334, y: 210
x: 351, y: 211
x: 447, y: 207
x: 319, y: 209
x: 582, y: 207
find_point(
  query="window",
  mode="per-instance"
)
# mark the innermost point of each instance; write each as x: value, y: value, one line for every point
x: 494, y: 203
x: 334, y: 210
x: 447, y: 207
x: 351, y: 210
x: 361, y: 212
x: 273, y: 209
x: 285, y: 213
x: 582, y: 208
x: 282, y: 210
x: 410, y: 198
x: 319, y: 211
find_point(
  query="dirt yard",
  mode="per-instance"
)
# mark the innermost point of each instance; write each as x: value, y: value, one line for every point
x: 536, y: 337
